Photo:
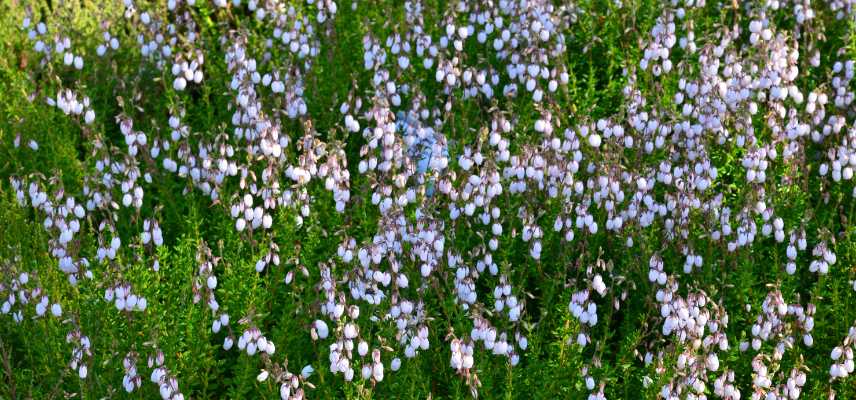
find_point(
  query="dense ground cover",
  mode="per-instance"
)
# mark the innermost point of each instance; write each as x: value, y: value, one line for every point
x: 384, y: 199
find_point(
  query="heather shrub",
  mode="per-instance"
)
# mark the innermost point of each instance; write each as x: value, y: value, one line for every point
x: 497, y: 198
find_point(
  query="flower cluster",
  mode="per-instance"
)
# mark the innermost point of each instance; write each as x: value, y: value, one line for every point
x: 167, y: 384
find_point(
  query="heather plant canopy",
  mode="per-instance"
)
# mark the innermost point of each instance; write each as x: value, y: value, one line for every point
x: 591, y: 199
